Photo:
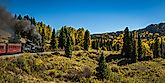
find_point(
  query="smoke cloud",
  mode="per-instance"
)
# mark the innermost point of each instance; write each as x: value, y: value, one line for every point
x: 9, y: 26
x: 6, y: 22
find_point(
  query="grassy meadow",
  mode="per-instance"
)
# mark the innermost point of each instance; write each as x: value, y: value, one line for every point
x: 56, y: 68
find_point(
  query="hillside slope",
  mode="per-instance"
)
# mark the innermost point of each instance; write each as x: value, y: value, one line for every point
x: 80, y: 68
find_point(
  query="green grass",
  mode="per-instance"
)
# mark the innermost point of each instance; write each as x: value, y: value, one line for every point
x: 79, y: 68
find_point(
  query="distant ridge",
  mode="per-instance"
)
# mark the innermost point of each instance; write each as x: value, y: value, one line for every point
x: 153, y: 28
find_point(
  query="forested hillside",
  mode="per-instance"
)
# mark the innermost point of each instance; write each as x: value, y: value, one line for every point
x: 77, y: 56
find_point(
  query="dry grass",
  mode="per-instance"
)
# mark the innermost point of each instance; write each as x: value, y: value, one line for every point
x: 79, y: 68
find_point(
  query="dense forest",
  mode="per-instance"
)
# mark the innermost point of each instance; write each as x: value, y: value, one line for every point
x: 79, y: 56
x: 81, y: 39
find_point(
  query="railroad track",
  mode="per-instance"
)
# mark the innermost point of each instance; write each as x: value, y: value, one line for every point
x: 20, y: 54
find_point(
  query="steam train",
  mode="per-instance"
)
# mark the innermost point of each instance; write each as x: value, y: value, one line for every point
x: 9, y: 48
x: 12, y: 48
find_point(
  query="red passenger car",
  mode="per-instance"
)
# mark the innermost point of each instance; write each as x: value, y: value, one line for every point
x: 13, y: 48
x: 2, y: 48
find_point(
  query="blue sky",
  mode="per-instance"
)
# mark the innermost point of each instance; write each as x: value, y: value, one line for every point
x: 96, y: 15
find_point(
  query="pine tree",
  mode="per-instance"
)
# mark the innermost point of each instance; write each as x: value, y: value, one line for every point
x: 86, y: 40
x: 126, y: 51
x: 139, y: 47
x: 110, y: 45
x: 161, y: 48
x: 93, y: 44
x: 15, y: 16
x: 19, y: 17
x: 53, y: 41
x: 27, y: 17
x: 43, y: 38
x: 98, y: 44
x: 62, y: 38
x: 156, y: 48
x: 102, y: 71
x: 67, y: 33
x: 68, y: 47
x: 101, y: 44
x: 131, y: 43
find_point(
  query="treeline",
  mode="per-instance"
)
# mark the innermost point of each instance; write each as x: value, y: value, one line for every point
x: 107, y: 42
x: 128, y: 43
x: 132, y: 44
x: 52, y: 39
x: 69, y: 39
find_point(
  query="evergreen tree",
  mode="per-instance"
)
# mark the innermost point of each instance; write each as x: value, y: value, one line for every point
x: 15, y: 16
x: 67, y: 33
x: 34, y: 21
x: 27, y: 17
x: 93, y: 44
x: 43, y: 38
x: 98, y: 44
x: 161, y: 48
x: 86, y: 40
x: 156, y: 48
x: 53, y: 41
x: 68, y: 47
x: 110, y: 45
x: 102, y: 71
x: 62, y: 38
x: 139, y: 47
x: 101, y: 44
x: 131, y: 43
x: 19, y: 17
x: 126, y: 51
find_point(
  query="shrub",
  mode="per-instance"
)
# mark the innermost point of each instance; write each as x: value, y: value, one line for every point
x: 146, y: 58
x: 93, y: 52
x: 74, y: 75
x: 79, y: 54
x: 104, y: 48
x: 115, y: 69
x: 87, y: 72
x: 92, y: 56
x: 22, y: 63
x: 77, y: 48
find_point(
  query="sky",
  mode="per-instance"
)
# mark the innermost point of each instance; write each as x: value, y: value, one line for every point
x: 95, y: 15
